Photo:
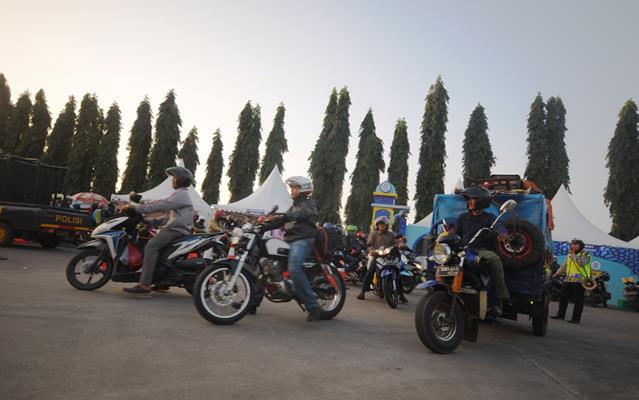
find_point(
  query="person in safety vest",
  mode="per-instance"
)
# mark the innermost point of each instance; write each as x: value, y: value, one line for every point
x: 577, y: 268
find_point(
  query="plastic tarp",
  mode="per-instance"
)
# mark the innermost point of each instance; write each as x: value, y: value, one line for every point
x: 272, y: 192
x: 164, y: 190
x: 571, y: 223
x: 531, y: 207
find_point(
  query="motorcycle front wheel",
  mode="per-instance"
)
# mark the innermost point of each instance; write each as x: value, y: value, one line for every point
x: 216, y: 301
x: 390, y: 293
x: 83, y: 276
x: 437, y: 331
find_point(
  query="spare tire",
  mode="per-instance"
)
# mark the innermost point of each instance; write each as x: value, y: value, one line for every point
x: 525, y: 247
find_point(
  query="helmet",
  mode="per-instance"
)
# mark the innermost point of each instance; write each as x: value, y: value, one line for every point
x: 361, y: 235
x: 480, y: 193
x: 327, y: 226
x: 382, y: 220
x: 219, y: 214
x: 305, y: 184
x: 351, y: 229
x: 184, y: 177
x: 339, y: 229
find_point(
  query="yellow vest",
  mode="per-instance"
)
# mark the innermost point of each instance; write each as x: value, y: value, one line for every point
x: 577, y: 266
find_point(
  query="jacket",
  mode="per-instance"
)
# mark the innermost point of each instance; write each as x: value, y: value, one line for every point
x: 300, y: 220
x: 576, y: 267
x: 178, y: 208
x: 377, y: 240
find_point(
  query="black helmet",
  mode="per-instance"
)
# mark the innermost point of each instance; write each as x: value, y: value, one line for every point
x: 184, y: 177
x: 477, y: 192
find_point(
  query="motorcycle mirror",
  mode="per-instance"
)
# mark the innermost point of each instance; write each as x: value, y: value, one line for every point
x: 508, y: 206
x: 275, y: 208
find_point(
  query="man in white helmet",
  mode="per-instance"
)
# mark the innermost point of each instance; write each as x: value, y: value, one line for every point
x: 299, y: 231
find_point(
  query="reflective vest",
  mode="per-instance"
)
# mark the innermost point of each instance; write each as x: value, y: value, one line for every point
x: 577, y: 266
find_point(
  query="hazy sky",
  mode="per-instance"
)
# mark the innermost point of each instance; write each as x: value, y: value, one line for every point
x: 218, y: 55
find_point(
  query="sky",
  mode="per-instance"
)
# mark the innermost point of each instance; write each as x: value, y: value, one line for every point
x: 217, y: 55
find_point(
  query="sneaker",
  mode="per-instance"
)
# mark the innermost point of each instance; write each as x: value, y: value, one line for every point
x: 160, y: 288
x: 557, y: 317
x: 137, y: 289
x: 313, y: 315
x: 360, y: 296
x: 574, y: 321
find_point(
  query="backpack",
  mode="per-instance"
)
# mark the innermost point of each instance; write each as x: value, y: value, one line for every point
x: 327, y: 241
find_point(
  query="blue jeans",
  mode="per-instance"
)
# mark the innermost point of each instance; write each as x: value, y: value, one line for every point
x: 298, y: 253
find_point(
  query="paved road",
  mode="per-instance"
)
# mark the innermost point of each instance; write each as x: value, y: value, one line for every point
x: 57, y: 342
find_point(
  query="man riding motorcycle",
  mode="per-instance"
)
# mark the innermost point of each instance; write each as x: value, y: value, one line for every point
x: 299, y: 232
x: 382, y: 236
x: 177, y: 222
x: 467, y: 225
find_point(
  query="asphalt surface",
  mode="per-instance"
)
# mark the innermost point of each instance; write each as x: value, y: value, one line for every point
x: 57, y: 342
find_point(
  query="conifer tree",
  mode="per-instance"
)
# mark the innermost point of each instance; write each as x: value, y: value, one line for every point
x: 188, y: 152
x: 33, y: 140
x: 557, y: 162
x: 365, y: 176
x: 245, y: 157
x: 6, y: 109
x: 320, y: 158
x: 85, y: 143
x: 432, y: 153
x: 478, y: 158
x: 138, y: 146
x: 622, y: 191
x: 276, y: 146
x: 398, y: 166
x: 337, y: 150
x: 106, y: 169
x: 20, y: 123
x: 214, y: 167
x: 167, y: 137
x: 59, y: 142
x: 536, y: 170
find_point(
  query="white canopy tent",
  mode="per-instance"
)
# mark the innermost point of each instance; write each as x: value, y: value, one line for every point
x: 570, y: 223
x: 272, y: 192
x: 164, y: 190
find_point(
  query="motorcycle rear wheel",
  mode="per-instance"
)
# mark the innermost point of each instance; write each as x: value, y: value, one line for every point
x: 408, y: 284
x: 330, y: 309
x: 213, y: 302
x: 432, y: 325
x: 80, y: 264
x: 390, y: 294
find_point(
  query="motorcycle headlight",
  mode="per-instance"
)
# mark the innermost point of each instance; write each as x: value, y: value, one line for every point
x: 441, y: 253
x: 236, y: 235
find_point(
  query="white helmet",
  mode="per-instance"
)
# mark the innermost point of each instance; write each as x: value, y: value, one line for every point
x: 305, y: 184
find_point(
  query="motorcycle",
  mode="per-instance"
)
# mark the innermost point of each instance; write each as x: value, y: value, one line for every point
x: 257, y: 267
x: 413, y: 270
x: 116, y: 254
x: 600, y: 294
x: 387, y: 271
x: 631, y: 292
x: 355, y: 266
x: 457, y: 300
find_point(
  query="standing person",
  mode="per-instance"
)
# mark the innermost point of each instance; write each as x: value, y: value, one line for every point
x: 299, y: 232
x: 382, y: 236
x: 468, y: 224
x: 178, y: 222
x: 576, y: 267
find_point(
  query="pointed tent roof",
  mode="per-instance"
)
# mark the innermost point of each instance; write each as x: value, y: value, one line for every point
x: 635, y: 242
x: 272, y: 192
x: 570, y: 223
x: 164, y: 190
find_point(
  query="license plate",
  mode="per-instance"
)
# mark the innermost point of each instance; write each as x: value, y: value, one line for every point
x: 447, y: 270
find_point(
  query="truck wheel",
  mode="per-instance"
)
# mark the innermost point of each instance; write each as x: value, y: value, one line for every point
x: 49, y: 242
x: 526, y: 246
x: 540, y: 325
x: 6, y: 234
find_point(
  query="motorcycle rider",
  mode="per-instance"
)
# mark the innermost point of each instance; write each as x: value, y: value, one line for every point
x: 177, y: 222
x: 576, y: 267
x: 382, y: 236
x: 467, y: 225
x: 299, y: 232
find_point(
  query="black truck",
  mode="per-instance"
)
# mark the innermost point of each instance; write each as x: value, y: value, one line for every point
x: 30, y: 204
